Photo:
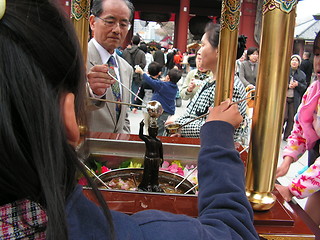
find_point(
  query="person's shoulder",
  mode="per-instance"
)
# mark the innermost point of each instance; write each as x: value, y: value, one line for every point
x: 301, y: 73
x: 123, y: 62
x: 140, y: 50
x: 92, y: 50
x: 126, y: 49
x: 192, y: 72
x: 91, y: 44
x: 172, y: 87
x: 125, y: 54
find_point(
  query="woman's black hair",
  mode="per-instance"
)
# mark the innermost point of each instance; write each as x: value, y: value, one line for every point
x: 213, y: 33
x: 251, y: 50
x: 40, y: 61
x: 316, y: 40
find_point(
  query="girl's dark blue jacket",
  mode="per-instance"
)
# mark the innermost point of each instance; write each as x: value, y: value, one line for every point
x: 224, y: 211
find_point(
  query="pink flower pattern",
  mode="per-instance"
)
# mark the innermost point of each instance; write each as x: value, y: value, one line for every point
x: 302, y: 138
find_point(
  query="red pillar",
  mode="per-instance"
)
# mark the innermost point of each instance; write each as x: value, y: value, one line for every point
x: 66, y: 5
x: 176, y: 30
x: 182, y: 35
x: 128, y: 38
x: 247, y: 21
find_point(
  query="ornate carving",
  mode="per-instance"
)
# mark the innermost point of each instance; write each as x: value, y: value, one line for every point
x: 230, y: 14
x: 233, y: 5
x: 284, y: 5
x: 80, y: 9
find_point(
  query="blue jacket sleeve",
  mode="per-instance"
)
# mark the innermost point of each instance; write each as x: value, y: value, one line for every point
x: 154, y: 84
x: 223, y: 205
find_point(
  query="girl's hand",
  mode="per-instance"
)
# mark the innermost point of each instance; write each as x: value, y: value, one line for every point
x: 226, y: 112
x: 285, y: 192
x: 284, y: 167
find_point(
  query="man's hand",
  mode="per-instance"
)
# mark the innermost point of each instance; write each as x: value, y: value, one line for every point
x: 226, y: 112
x: 99, y: 79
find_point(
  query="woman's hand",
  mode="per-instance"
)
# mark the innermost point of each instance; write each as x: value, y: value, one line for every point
x: 293, y: 84
x: 285, y: 192
x: 284, y: 167
x: 250, y: 86
x: 226, y: 112
x: 175, y: 135
x: 191, y: 85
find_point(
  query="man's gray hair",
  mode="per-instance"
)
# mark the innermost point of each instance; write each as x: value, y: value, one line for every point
x: 96, y: 8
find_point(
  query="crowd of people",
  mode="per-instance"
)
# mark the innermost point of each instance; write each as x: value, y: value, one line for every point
x: 56, y: 92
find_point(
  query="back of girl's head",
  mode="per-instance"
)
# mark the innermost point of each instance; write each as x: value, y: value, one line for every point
x: 40, y: 60
x: 154, y: 68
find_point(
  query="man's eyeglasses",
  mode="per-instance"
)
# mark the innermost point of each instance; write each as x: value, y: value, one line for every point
x: 110, y: 22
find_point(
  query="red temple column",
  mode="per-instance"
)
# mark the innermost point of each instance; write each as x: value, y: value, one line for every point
x: 66, y: 5
x: 247, y: 21
x: 128, y: 37
x: 176, y: 30
x: 182, y: 31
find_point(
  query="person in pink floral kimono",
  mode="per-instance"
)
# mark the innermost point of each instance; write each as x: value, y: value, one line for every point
x: 305, y: 136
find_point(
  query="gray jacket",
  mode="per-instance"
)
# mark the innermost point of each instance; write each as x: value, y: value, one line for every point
x: 246, y: 74
x: 103, y: 117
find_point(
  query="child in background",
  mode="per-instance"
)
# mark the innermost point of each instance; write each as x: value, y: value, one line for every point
x: 165, y: 92
x: 146, y: 91
x: 305, y: 136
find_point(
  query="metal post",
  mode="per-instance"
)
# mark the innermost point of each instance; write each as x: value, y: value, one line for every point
x: 275, y: 49
x: 230, y: 18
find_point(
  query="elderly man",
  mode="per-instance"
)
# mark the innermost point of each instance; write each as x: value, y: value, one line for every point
x: 110, y: 23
